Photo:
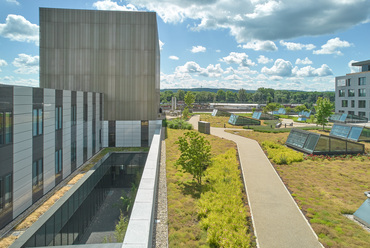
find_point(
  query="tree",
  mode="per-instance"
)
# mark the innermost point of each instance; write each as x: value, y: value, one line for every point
x: 288, y: 110
x: 180, y: 95
x: 230, y: 96
x: 300, y: 108
x: 189, y: 99
x: 272, y: 106
x: 221, y: 95
x: 195, y: 155
x: 323, y: 111
x: 242, y: 95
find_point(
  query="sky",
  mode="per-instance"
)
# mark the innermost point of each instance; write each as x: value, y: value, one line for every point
x: 286, y: 44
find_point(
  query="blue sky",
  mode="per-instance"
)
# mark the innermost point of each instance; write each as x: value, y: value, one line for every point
x: 286, y: 44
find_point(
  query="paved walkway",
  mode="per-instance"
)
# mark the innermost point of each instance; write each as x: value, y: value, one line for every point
x: 276, y: 218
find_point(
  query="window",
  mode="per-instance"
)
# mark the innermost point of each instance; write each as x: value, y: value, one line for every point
x: 351, y: 112
x: 361, y: 81
x: 361, y: 92
x: 351, y: 93
x: 58, y: 161
x: 362, y: 104
x: 352, y: 103
x: 6, y: 128
x: 361, y: 114
x: 37, y: 121
x: 5, y: 191
x: 344, y: 103
x: 341, y: 82
x: 348, y: 82
x: 342, y: 93
x: 37, y: 173
x: 73, y: 151
x: 73, y: 115
x: 58, y: 118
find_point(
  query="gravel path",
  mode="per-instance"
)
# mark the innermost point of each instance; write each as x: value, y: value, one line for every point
x: 161, y: 226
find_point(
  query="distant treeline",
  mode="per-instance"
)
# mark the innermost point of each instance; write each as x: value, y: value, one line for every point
x: 261, y: 95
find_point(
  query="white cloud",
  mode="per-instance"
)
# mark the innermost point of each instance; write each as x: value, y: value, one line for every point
x: 198, y: 49
x: 281, y: 68
x: 26, y: 64
x: 161, y: 44
x: 214, y: 70
x: 3, y: 63
x: 233, y: 77
x: 238, y: 58
x: 10, y: 80
x: 192, y: 67
x: 17, y: 28
x: 173, y: 57
x: 332, y: 46
x: 353, y: 69
x: 263, y: 20
x: 297, y: 46
x: 264, y: 60
x: 305, y: 61
x: 109, y: 5
x: 13, y: 1
x: 309, y: 71
x: 189, y: 67
x: 258, y: 45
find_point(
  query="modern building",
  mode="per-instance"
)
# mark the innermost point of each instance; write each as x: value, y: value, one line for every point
x: 99, y: 87
x: 352, y: 91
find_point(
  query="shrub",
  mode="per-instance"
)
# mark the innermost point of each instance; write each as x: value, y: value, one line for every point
x: 280, y: 154
x: 179, y: 124
x: 222, y: 214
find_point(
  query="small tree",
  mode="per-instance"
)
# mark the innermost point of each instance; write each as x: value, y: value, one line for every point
x: 195, y: 155
x: 300, y: 108
x: 323, y: 111
x: 288, y: 110
x: 189, y: 99
x: 185, y: 113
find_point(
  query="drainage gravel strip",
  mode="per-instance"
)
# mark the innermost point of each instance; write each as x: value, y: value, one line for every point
x: 161, y: 226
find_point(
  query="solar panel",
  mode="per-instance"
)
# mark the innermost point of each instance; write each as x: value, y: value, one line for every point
x: 355, y: 133
x: 214, y: 112
x: 257, y: 115
x: 343, y: 118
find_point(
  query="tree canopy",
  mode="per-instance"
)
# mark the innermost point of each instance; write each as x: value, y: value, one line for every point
x: 324, y: 110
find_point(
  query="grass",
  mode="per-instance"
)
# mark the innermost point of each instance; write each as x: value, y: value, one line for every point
x: 183, y: 219
x: 34, y: 216
x: 325, y: 188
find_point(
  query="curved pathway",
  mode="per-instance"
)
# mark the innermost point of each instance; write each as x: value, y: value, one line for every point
x: 277, y: 220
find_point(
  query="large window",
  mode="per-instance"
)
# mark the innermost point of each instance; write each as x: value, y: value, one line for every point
x: 342, y: 93
x: 361, y: 92
x: 58, y: 161
x: 361, y: 114
x: 73, y: 115
x: 348, y: 82
x: 361, y: 81
x: 6, y: 128
x: 362, y: 104
x: 37, y: 121
x: 344, y: 103
x: 5, y: 191
x: 58, y: 118
x: 352, y: 103
x: 351, y: 93
x: 73, y: 151
x: 37, y: 173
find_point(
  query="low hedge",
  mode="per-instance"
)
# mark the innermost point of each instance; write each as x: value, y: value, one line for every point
x: 280, y: 154
x: 179, y: 124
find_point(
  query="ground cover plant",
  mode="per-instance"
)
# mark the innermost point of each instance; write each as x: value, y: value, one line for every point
x: 325, y: 188
x: 280, y: 154
x: 184, y: 194
x: 179, y: 124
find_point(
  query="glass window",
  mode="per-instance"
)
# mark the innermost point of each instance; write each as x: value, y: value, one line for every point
x: 351, y: 112
x: 337, y: 145
x: 8, y: 127
x: 351, y: 93
x: 352, y: 103
x: 362, y: 81
x: 34, y: 122
x: 73, y: 115
x: 8, y: 190
x: 361, y: 92
x: 348, y: 82
x: 1, y: 128
x: 361, y: 114
x: 40, y: 119
x: 58, y: 118
x: 344, y: 103
x: 362, y: 104
x: 342, y: 93
x: 58, y: 161
x: 341, y: 82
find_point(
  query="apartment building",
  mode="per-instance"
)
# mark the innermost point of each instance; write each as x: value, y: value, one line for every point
x: 352, y: 91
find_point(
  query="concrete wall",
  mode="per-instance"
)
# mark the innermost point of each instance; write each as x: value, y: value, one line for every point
x: 114, y: 52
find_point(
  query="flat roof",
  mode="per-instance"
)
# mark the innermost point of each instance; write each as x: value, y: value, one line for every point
x: 361, y: 63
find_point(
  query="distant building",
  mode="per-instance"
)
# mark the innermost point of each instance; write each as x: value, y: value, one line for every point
x: 352, y: 91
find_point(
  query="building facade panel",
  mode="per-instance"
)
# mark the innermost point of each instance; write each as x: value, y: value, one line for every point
x: 66, y: 133
x: 79, y: 129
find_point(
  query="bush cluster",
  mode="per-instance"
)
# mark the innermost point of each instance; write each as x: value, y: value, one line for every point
x: 352, y: 157
x: 280, y: 154
x: 221, y: 209
x: 179, y: 124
